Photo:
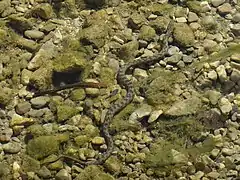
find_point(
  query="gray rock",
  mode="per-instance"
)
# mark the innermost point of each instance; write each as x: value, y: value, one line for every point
x: 209, y: 45
x: 235, y: 75
x: 173, y: 50
x: 34, y: 34
x: 212, y: 75
x: 154, y: 115
x: 209, y: 22
x: 140, y: 73
x: 6, y: 134
x: 144, y: 110
x: 213, y: 175
x: 23, y: 107
x: 187, y: 59
x: 63, y: 175
x: 12, y: 147
x: 216, y: 3
x: 39, y: 102
x: 213, y: 96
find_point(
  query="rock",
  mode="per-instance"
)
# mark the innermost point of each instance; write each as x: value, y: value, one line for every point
x: 178, y: 158
x: 215, y: 153
x: 6, y: 95
x: 12, y: 147
x: 147, y: 33
x: 209, y: 22
x: 19, y: 23
x: 44, y: 11
x: 42, y: 146
x: 27, y: 44
x: 225, y: 8
x: 18, y: 120
x: 92, y: 92
x: 216, y: 3
x: 4, y: 170
x: 25, y: 76
x: 63, y: 175
x: 39, y: 102
x: 6, y: 134
x: 154, y: 115
x: 23, y: 107
x: 181, y: 20
x: 174, y: 59
x: 140, y: 73
x: 184, y: 107
x: 213, y: 96
x: 235, y: 75
x: 141, y: 112
x: 236, y: 18
x: 222, y: 74
x: 192, y: 17
x: 98, y: 140
x: 225, y: 105
x: 113, y: 164
x: 34, y: 34
x: 183, y: 35
x: 78, y: 95
x: 173, y: 50
x: 65, y: 112
x: 44, y: 172
x: 236, y: 29
x: 209, y: 45
x: 227, y: 151
x: 161, y: 9
x: 128, y: 50
x: 198, y: 175
x: 212, y: 75
x: 94, y: 173
x: 213, y: 175
x: 136, y: 20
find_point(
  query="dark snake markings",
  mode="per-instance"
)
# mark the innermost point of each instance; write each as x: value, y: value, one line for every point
x: 119, y: 105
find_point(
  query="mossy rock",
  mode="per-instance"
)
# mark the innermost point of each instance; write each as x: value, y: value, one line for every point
x: 42, y: 78
x: 128, y: 50
x: 6, y: 95
x: 107, y: 75
x: 160, y: 24
x: 183, y: 35
x: 20, y: 24
x: 70, y: 61
x: 44, y: 11
x: 42, y: 146
x: 93, y: 172
x: 147, y: 33
x: 160, y: 91
x: 78, y: 95
x: 65, y: 112
x: 194, y: 6
x: 30, y: 164
x: 162, y: 9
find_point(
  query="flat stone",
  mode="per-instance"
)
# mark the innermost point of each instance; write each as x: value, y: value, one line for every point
x: 216, y: 3
x: 63, y: 175
x: 12, y: 147
x: 225, y: 8
x: 39, y: 102
x: 34, y: 34
x: 6, y: 134
x: 23, y: 107
x: 192, y: 17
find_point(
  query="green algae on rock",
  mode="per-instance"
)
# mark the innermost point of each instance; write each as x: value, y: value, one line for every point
x: 183, y: 35
x: 65, y: 112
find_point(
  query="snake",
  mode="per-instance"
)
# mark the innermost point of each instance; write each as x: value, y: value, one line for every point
x: 117, y: 106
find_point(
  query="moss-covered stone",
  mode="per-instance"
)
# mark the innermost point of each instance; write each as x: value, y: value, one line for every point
x: 19, y: 23
x: 147, y: 33
x: 160, y: 24
x: 162, y: 9
x: 94, y: 173
x: 194, y: 6
x: 69, y: 9
x: 107, y: 75
x: 42, y: 78
x: 65, y: 112
x: 6, y: 95
x: 113, y: 164
x: 42, y: 146
x: 129, y: 50
x: 81, y: 140
x: 69, y: 61
x: 78, y: 95
x: 44, y: 11
x: 183, y: 35
x: 30, y: 164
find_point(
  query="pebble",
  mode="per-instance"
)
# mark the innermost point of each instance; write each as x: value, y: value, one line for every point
x: 215, y: 152
x: 44, y: 172
x: 98, y: 140
x: 225, y: 105
x: 213, y: 175
x: 225, y: 8
x: 192, y: 17
x: 12, y: 147
x: 222, y: 74
x: 217, y: 3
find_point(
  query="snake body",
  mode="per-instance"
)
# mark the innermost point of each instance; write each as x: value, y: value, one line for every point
x: 116, y: 107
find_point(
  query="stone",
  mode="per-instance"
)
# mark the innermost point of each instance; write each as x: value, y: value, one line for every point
x: 65, y: 112
x: 39, y: 102
x: 225, y: 8
x: 192, y: 17
x: 140, y: 73
x: 216, y: 3
x: 215, y: 153
x: 183, y: 35
x: 44, y: 172
x: 227, y: 151
x: 235, y: 75
x: 147, y: 33
x: 113, y: 164
x: 25, y: 76
x: 12, y: 147
x: 42, y: 146
x: 236, y: 18
x: 213, y: 96
x: 213, y: 175
x: 6, y: 95
x: 63, y: 175
x: 235, y: 28
x: 44, y: 11
x: 212, y: 75
x: 225, y: 105
x: 209, y: 45
x: 222, y: 74
x: 138, y: 114
x: 34, y: 34
x: 174, y: 59
x: 154, y: 115
x: 98, y: 140
x: 6, y: 134
x: 18, y: 120
x: 78, y: 95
